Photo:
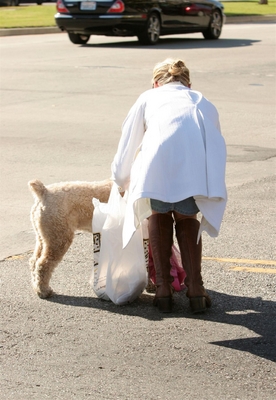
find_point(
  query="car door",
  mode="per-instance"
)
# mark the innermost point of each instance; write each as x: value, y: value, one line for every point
x: 181, y: 15
x: 197, y: 12
x: 172, y: 13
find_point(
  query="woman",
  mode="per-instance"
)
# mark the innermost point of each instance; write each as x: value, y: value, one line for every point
x: 171, y: 158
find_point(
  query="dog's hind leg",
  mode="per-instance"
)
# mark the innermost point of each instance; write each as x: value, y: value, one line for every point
x: 39, y: 242
x: 36, y: 255
x: 45, y: 265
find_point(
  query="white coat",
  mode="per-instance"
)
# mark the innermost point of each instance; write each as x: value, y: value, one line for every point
x: 171, y: 148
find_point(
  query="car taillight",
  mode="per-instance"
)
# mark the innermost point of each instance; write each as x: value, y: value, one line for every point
x: 118, y: 7
x: 192, y: 8
x: 61, y: 7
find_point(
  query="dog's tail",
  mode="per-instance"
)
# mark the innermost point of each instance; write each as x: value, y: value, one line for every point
x: 37, y: 188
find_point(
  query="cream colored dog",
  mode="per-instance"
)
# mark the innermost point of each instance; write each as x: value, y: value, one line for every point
x: 60, y: 209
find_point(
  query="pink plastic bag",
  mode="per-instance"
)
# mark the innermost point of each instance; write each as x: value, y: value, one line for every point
x: 177, y: 271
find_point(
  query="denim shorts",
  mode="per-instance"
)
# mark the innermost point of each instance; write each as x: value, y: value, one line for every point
x: 186, y: 207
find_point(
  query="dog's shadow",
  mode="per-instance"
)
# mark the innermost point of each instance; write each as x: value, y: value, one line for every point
x: 255, y: 314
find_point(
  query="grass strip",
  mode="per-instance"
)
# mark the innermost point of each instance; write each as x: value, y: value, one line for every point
x: 251, y: 7
x: 40, y: 16
x: 27, y: 16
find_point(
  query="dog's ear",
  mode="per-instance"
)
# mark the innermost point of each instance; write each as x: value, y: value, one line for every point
x: 37, y: 188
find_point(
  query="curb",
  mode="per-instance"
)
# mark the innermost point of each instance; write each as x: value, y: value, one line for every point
x: 29, y: 31
x: 54, y: 29
x: 250, y: 18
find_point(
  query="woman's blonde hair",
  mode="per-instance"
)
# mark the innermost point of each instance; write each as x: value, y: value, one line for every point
x: 171, y: 71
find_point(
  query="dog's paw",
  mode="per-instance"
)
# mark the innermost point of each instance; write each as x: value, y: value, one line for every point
x: 45, y: 293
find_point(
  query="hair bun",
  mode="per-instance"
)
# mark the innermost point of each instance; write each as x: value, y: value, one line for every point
x: 176, y: 68
x: 171, y: 70
x: 179, y: 64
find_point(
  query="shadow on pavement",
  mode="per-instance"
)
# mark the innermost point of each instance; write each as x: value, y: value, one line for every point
x: 178, y: 43
x: 255, y: 314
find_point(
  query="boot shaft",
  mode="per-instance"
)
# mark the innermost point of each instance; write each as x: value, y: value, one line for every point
x: 191, y: 254
x: 161, y: 240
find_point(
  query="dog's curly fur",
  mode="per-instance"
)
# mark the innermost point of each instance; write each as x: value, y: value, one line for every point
x: 60, y: 209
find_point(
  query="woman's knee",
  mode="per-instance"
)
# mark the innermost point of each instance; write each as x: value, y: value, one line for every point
x: 179, y: 217
x: 157, y: 212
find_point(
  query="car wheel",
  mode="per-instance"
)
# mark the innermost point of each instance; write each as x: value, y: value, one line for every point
x: 77, y: 38
x: 215, y: 26
x: 39, y: 3
x: 150, y: 34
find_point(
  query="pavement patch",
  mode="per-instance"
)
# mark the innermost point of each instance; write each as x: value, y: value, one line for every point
x: 240, y: 268
x: 241, y: 261
x: 255, y: 270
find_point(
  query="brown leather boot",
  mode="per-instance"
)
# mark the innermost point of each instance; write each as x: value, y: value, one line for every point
x: 186, y: 233
x: 161, y: 238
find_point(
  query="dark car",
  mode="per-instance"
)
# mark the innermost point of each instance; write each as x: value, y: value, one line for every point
x: 146, y: 19
x: 11, y: 3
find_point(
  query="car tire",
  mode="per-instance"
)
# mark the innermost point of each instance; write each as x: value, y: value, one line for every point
x: 77, y: 38
x: 13, y: 3
x: 151, y: 32
x: 39, y: 3
x: 214, y: 30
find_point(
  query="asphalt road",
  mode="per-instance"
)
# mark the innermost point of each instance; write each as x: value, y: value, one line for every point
x: 62, y: 107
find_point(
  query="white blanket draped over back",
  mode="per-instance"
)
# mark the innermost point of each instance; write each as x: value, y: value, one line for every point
x: 171, y: 148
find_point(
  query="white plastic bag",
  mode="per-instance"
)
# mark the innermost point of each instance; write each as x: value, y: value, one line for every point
x: 119, y: 274
x: 98, y: 276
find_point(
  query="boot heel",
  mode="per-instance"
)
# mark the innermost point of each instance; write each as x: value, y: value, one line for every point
x: 164, y: 304
x: 198, y: 304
